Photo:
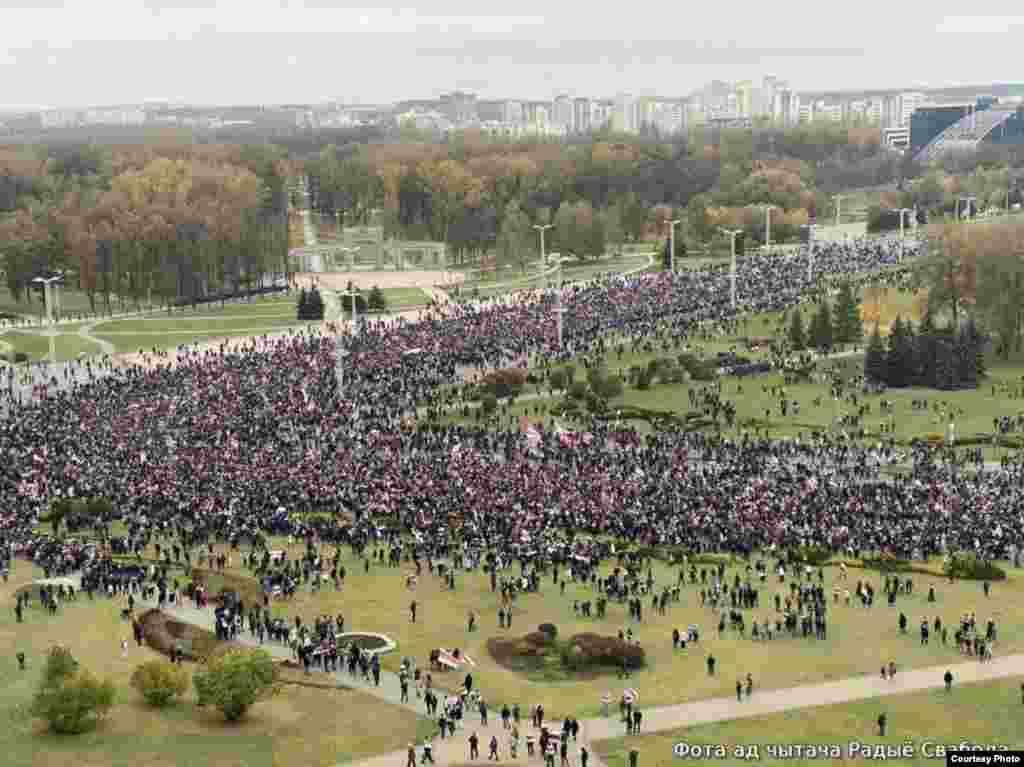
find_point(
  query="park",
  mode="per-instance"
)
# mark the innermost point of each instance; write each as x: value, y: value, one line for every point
x: 727, y: 504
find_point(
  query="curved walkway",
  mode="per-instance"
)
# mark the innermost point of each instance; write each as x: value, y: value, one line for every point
x: 659, y: 719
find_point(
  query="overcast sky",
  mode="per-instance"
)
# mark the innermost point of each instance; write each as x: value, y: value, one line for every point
x: 82, y: 52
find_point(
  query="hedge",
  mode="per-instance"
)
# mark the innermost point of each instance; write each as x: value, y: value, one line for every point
x: 972, y: 568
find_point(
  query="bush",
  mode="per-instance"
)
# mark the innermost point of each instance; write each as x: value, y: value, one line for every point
x: 886, y: 563
x: 235, y: 680
x: 558, y: 379
x: 160, y: 682
x: 377, y: 301
x: 643, y: 380
x: 970, y: 567
x: 550, y: 630
x: 70, y: 699
x: 815, y: 556
x: 589, y: 651
x: 610, y: 388
x: 489, y: 403
x: 577, y: 390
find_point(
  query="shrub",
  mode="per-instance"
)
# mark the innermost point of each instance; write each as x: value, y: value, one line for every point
x: 549, y: 630
x: 235, y: 680
x: 377, y: 302
x: 558, y: 379
x: 972, y: 568
x: 570, y: 373
x: 506, y: 382
x: 489, y: 403
x: 815, y: 556
x: 589, y: 651
x: 577, y: 390
x: 886, y: 563
x: 70, y: 699
x: 160, y: 682
x: 643, y: 380
x: 610, y: 388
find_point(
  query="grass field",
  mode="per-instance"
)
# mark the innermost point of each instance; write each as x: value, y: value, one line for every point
x: 303, y: 726
x: 860, y: 640
x: 987, y: 713
x: 67, y: 346
x: 185, y: 324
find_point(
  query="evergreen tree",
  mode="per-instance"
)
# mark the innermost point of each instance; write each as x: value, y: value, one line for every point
x: 899, y: 359
x: 964, y: 359
x: 977, y: 342
x: 926, y: 353
x: 821, y: 327
x: 315, y: 305
x: 302, y: 308
x: 875, y: 369
x: 377, y: 302
x: 797, y: 334
x: 945, y: 365
x: 847, y: 323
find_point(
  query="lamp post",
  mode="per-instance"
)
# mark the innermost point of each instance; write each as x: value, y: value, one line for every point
x: 355, y: 308
x: 540, y: 228
x: 768, y: 226
x: 351, y: 257
x: 839, y: 199
x: 810, y: 251
x: 559, y: 309
x: 342, y: 354
x: 50, y: 285
x: 672, y: 244
x: 731, y: 233
x: 903, y: 212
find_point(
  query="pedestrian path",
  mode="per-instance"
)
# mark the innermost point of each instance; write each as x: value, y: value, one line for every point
x: 660, y: 719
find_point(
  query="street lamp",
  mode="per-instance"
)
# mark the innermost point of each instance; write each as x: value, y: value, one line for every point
x: 839, y: 199
x: 540, y: 228
x: 342, y: 354
x: 810, y: 251
x: 355, y: 307
x: 672, y: 244
x: 732, y: 233
x: 902, y: 212
x: 768, y: 226
x: 968, y: 199
x: 559, y: 309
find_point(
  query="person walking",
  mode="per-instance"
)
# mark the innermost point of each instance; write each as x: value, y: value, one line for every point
x: 474, y: 747
x: 410, y: 760
x: 948, y: 679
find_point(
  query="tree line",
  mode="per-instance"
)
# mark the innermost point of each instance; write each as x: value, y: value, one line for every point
x: 142, y: 222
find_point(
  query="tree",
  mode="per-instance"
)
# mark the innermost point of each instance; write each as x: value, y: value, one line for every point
x: 899, y: 360
x: 377, y: 301
x: 314, y: 305
x: 821, y: 327
x: 69, y: 698
x: 797, y: 334
x: 514, y: 241
x: 875, y: 369
x: 160, y: 682
x: 977, y: 342
x: 847, y: 322
x: 236, y: 679
x: 302, y: 306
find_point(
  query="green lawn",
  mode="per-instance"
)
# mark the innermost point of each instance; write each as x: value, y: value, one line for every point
x: 133, y: 342
x: 398, y: 298
x: 860, y: 640
x: 67, y: 346
x: 159, y: 325
x: 72, y: 301
x: 302, y: 725
x: 986, y: 713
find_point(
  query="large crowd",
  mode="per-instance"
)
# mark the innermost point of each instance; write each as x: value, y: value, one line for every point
x: 235, y: 444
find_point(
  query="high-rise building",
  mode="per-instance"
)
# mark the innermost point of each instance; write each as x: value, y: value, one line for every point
x: 562, y: 112
x: 581, y: 112
x: 513, y: 113
x: 909, y: 102
x: 744, y: 98
x: 783, y: 107
x: 771, y: 86
x: 601, y: 114
x: 624, y: 116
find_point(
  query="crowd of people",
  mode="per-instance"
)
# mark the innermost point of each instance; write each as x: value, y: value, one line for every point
x: 231, y: 443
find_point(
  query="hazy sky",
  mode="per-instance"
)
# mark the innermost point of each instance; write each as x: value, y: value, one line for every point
x: 82, y: 52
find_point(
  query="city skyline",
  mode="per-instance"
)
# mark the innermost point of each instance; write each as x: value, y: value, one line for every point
x: 63, y: 55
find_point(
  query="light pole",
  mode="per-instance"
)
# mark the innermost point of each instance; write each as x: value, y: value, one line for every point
x: 903, y: 212
x: 672, y: 244
x: 731, y: 233
x: 342, y: 354
x: 839, y: 199
x: 559, y: 309
x: 355, y: 309
x: 540, y: 228
x: 768, y: 226
x: 810, y: 251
